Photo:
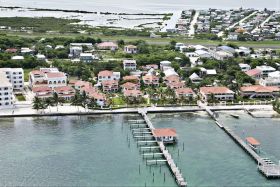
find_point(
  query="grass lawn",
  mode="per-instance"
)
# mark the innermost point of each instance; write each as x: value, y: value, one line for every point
x: 118, y: 101
x: 20, y: 97
x: 26, y: 74
x: 156, y: 41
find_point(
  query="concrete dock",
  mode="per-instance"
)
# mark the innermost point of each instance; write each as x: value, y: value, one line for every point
x: 167, y: 156
x: 268, y: 169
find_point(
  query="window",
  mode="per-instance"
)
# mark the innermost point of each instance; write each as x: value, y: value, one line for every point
x: 7, y: 103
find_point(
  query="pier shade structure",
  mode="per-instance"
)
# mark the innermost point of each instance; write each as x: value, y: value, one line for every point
x: 165, y: 135
x: 253, y: 143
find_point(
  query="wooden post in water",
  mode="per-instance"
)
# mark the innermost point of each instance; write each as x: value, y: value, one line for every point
x: 183, y: 146
x: 153, y: 177
x: 164, y: 176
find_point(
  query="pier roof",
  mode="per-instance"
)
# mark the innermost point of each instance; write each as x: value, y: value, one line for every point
x: 252, y: 141
x: 164, y: 132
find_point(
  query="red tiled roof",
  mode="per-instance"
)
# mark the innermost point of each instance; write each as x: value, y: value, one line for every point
x: 105, y: 73
x: 129, y: 85
x: 260, y: 89
x: 55, y: 75
x: 150, y: 77
x: 64, y: 89
x: 107, y: 44
x: 11, y: 50
x: 109, y: 82
x: 131, y: 77
x: 215, y: 90
x: 184, y: 91
x: 41, y: 89
x: 252, y: 141
x: 172, y: 78
x: 164, y: 132
x: 253, y: 72
x: 37, y: 72
x: 97, y: 95
x: 132, y: 93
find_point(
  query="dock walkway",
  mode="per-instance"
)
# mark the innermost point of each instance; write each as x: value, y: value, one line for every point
x: 168, y: 158
x: 268, y: 169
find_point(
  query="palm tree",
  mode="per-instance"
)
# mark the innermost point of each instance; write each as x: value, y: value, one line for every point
x: 55, y: 99
x: 76, y: 100
x: 84, y: 99
x: 48, y: 102
x: 37, y: 103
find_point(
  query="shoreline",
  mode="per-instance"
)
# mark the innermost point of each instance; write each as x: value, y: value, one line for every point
x: 74, y: 110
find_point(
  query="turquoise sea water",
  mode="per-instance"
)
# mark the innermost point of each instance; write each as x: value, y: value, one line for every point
x: 207, y: 156
x: 73, y: 151
x: 100, y: 151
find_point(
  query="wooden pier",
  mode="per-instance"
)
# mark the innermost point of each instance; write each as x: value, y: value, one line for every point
x: 167, y: 156
x: 265, y: 166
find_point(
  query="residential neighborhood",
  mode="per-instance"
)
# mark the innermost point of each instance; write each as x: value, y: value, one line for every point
x: 109, y: 74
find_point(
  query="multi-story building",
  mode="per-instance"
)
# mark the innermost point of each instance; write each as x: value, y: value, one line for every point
x: 218, y: 93
x: 6, y: 92
x: 150, y: 80
x: 129, y: 65
x: 258, y: 91
x: 108, y: 75
x: 265, y: 70
x: 50, y: 77
x: 273, y: 79
x: 110, y: 85
x: 130, y: 49
x: 15, y: 76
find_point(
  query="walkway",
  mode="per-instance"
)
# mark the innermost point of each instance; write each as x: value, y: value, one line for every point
x: 174, y: 169
x: 270, y: 170
x: 194, y: 21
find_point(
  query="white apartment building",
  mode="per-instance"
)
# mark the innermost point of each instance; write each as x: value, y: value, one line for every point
x: 129, y: 65
x: 273, y: 79
x: 50, y: 77
x: 265, y: 70
x: 6, y: 92
x: 15, y: 77
x: 108, y: 75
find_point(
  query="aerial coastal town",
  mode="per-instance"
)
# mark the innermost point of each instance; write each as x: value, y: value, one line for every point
x: 165, y: 97
x: 182, y: 74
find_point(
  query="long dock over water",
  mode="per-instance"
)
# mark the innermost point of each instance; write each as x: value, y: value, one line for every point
x: 266, y: 167
x: 168, y: 158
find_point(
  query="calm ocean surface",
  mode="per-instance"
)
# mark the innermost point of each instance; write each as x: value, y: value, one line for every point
x: 100, y: 151
x: 141, y: 5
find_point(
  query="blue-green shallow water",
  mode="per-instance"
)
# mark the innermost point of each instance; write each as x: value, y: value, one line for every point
x: 210, y: 157
x: 73, y: 151
x: 265, y: 130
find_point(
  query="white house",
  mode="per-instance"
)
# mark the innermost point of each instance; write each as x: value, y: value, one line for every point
x: 87, y: 57
x: 273, y: 79
x: 75, y: 51
x: 164, y: 65
x: 130, y: 49
x: 6, y: 92
x: 203, y: 54
x: 129, y: 65
x: 244, y: 67
x: 15, y: 76
x: 49, y: 77
x: 108, y: 75
x: 265, y: 70
x: 218, y: 93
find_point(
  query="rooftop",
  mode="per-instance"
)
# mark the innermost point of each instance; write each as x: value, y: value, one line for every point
x: 164, y: 132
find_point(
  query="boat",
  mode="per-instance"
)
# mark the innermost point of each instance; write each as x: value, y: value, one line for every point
x: 235, y: 116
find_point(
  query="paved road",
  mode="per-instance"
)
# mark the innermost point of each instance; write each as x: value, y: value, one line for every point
x: 194, y: 21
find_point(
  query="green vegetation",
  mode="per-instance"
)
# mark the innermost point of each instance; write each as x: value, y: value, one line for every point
x: 276, y: 105
x: 42, y: 24
x: 20, y: 97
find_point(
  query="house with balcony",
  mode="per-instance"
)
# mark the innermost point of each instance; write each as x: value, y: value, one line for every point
x: 129, y: 65
x: 150, y: 80
x: 110, y: 85
x: 130, y: 49
x: 65, y: 92
x: 15, y: 76
x: 259, y: 91
x: 50, y: 77
x: 7, y: 98
x: 108, y: 75
x: 184, y: 93
x: 217, y: 93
